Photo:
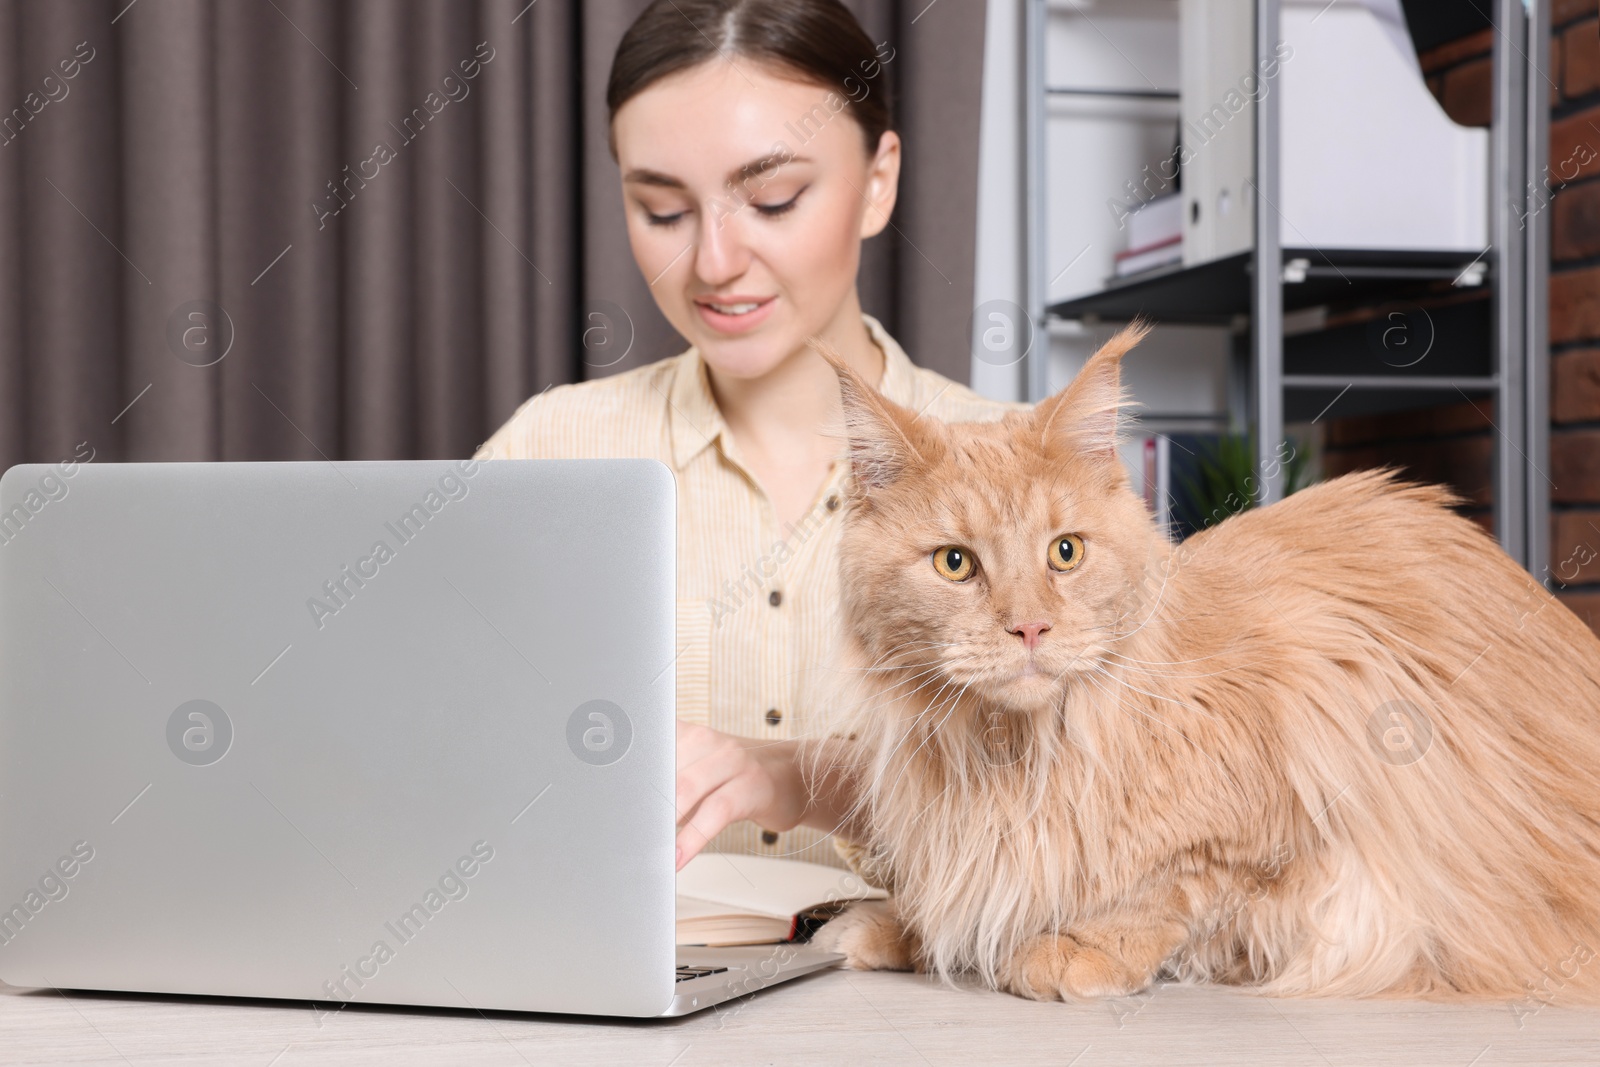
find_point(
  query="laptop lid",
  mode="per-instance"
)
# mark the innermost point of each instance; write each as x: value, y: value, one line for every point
x: 385, y: 732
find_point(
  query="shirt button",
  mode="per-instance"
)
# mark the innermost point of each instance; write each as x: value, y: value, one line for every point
x: 774, y: 716
x: 775, y: 598
x: 768, y: 837
x: 833, y: 502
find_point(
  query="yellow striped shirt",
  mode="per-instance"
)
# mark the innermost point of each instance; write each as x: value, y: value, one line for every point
x: 757, y: 605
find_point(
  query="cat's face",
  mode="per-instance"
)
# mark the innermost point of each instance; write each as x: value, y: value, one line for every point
x: 1000, y: 557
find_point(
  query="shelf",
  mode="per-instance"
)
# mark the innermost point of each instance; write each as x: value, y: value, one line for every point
x: 1335, y: 332
x: 1383, y: 381
x: 1215, y: 293
x: 1115, y: 94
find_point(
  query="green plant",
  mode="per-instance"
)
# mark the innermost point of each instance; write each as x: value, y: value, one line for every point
x: 1225, y: 480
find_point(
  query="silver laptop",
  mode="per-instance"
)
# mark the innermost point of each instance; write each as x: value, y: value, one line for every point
x: 366, y: 732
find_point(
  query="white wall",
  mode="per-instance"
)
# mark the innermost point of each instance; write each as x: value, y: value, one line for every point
x: 999, y: 271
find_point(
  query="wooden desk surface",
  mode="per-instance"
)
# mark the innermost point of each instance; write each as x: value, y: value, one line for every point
x: 834, y: 1017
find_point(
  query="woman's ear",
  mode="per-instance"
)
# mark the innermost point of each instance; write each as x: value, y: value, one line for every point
x: 886, y: 441
x: 1082, y: 418
x: 883, y: 185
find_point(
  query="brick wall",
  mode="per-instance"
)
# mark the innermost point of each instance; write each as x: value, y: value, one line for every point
x: 1454, y: 444
x: 1575, y: 307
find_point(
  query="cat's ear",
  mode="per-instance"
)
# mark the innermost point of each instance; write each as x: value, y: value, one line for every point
x: 885, y: 439
x: 1082, y: 418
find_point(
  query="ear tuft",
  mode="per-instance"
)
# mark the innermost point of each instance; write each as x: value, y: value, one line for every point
x: 1083, y: 417
x: 885, y: 440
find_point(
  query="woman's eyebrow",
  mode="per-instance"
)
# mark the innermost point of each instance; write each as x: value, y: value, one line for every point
x: 646, y: 176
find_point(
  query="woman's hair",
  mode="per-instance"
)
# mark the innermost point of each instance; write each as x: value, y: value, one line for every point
x: 816, y: 41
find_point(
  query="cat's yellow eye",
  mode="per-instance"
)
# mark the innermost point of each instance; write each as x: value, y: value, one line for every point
x: 953, y: 562
x: 1067, y: 552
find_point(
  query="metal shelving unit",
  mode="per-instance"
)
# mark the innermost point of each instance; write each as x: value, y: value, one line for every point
x: 1271, y: 280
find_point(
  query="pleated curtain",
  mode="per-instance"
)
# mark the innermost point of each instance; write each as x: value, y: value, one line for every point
x: 367, y: 229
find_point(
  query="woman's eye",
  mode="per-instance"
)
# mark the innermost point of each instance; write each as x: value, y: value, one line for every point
x: 773, y: 210
x: 1067, y: 552
x: 662, y: 220
x: 954, y: 563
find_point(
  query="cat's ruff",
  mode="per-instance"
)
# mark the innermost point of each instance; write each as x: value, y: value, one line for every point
x: 1200, y: 776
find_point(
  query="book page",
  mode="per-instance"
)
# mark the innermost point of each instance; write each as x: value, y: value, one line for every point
x: 764, y: 885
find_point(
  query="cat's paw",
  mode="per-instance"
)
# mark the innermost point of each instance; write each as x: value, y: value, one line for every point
x: 870, y: 937
x: 1056, y: 967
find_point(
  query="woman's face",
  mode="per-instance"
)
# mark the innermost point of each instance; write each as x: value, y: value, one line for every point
x: 748, y: 265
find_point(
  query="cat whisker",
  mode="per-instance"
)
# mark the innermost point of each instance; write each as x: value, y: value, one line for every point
x: 888, y: 690
x: 1152, y: 672
x: 1128, y: 662
x: 931, y: 708
x: 878, y: 665
x: 1123, y: 706
x: 924, y: 712
x: 1155, y: 608
x: 952, y: 703
x: 1154, y: 696
x: 889, y: 668
x: 1170, y: 662
x: 901, y: 647
x: 1120, y: 703
x: 1125, y: 663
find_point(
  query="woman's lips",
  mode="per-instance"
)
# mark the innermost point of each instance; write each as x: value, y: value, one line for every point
x: 740, y: 322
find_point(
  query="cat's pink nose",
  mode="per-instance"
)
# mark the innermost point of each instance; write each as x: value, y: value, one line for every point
x: 1029, y: 632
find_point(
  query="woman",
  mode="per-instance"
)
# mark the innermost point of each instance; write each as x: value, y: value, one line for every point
x: 751, y: 240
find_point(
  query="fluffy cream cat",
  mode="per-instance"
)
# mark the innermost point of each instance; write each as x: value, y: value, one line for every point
x: 1342, y: 745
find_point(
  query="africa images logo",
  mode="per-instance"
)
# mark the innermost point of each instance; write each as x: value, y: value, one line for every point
x: 451, y: 886
x: 54, y: 885
x: 51, y: 486
x: 599, y: 732
x: 341, y: 588
x: 199, y: 732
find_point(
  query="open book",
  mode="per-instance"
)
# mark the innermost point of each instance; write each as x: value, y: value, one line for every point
x: 732, y: 899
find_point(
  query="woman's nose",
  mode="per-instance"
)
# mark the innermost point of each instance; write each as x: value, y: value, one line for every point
x: 721, y: 255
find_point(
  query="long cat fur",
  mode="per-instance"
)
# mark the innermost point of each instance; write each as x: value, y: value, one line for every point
x: 1204, y: 780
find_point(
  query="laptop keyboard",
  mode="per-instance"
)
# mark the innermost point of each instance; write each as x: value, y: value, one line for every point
x: 686, y: 973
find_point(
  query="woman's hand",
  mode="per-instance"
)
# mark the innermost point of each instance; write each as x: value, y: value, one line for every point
x: 723, y: 779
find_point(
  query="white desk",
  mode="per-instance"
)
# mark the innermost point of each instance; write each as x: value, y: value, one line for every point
x: 835, y: 1017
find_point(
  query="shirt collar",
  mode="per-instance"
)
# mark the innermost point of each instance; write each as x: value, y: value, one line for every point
x: 691, y: 409
x: 899, y: 373
x: 696, y: 420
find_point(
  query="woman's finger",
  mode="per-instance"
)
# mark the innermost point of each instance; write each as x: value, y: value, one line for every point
x: 722, y: 779
x: 706, y: 760
x: 714, y: 813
